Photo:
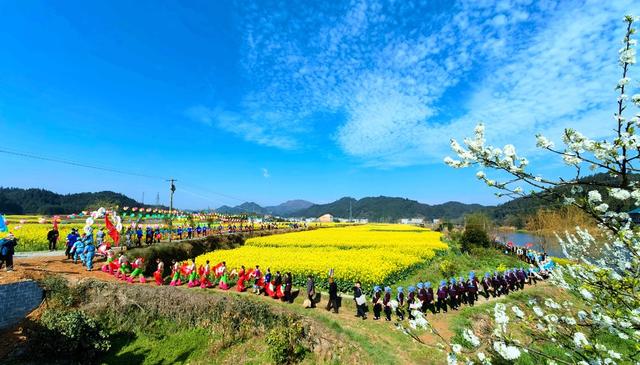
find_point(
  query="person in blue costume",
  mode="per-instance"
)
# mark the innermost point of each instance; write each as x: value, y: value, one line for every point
x: 89, y: 252
x: 78, y: 249
x: 179, y: 232
x: 71, y: 239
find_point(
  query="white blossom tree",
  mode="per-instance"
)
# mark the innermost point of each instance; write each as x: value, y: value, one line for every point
x: 609, y: 282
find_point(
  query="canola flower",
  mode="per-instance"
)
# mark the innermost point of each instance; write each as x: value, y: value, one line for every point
x: 33, y: 236
x: 373, y: 254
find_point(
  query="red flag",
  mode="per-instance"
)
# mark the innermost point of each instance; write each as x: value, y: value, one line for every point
x: 113, y: 232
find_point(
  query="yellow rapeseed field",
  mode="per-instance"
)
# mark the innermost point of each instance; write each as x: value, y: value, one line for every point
x: 372, y: 253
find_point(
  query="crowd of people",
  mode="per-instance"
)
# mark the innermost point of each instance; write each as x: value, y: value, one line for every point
x: 423, y: 297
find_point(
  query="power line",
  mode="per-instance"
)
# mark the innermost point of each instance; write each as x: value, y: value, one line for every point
x: 74, y: 163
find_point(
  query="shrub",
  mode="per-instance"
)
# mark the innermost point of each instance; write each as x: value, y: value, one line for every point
x: 57, y: 290
x: 69, y: 334
x: 287, y: 344
x: 474, y: 236
x: 448, y: 268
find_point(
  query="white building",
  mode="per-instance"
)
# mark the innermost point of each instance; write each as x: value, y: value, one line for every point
x: 412, y: 221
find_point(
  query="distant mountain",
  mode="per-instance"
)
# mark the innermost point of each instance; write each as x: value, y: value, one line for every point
x: 288, y: 207
x: 248, y: 207
x: 388, y: 209
x: 40, y: 201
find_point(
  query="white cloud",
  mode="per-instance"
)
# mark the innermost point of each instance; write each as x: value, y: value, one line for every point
x: 407, y: 77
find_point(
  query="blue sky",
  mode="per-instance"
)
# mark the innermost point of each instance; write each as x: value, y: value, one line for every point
x: 315, y: 100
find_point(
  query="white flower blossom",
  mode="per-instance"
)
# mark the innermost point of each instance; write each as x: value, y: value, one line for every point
x: 452, y: 359
x: 602, y: 207
x: 471, y: 337
x: 620, y: 194
x: 636, y: 99
x: 628, y: 56
x: 580, y: 339
x: 595, y: 197
x: 543, y: 142
x: 623, y: 81
x: 500, y: 315
x: 518, y: 312
x: 456, y: 348
x: 480, y: 174
x: 538, y: 311
x: 507, y: 352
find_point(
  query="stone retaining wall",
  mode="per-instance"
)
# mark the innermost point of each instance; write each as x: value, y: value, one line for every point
x: 17, y: 300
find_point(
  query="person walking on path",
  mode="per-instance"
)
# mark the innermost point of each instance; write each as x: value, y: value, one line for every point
x: 71, y: 240
x: 52, y: 237
x: 7, y: 249
x: 311, y: 291
x: 333, y: 295
x: 360, y: 301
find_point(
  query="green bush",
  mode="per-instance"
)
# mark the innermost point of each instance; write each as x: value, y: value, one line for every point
x: 69, y: 334
x: 448, y: 268
x: 57, y: 291
x: 286, y: 344
x: 474, y: 236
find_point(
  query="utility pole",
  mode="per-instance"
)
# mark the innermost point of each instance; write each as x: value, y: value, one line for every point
x: 158, y: 199
x: 350, y: 215
x: 172, y: 188
x: 143, y: 198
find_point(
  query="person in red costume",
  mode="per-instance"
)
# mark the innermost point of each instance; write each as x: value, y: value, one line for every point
x: 157, y: 275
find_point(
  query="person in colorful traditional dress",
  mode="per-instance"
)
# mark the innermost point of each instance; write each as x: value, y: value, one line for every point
x: 157, y: 275
x: 205, y: 276
x: 179, y: 232
x: 109, y: 265
x: 267, y: 281
x: 311, y: 290
x: 277, y: 285
x: 78, y: 249
x: 198, y: 230
x: 89, y: 253
x: 442, y: 294
x: 139, y: 236
x: 377, y: 302
x: 138, y: 270
x: 193, y: 274
x: 176, y: 280
x: 224, y: 281
x: 189, y: 232
x: 360, y: 300
x: 401, y: 303
x: 257, y: 283
x: 124, y: 268
x: 411, y: 301
x: 453, y: 294
x: 386, y: 303
x: 241, y: 279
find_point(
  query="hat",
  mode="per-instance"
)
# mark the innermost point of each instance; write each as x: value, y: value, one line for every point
x: 412, y: 289
x: 399, y: 289
x: 420, y: 286
x: 453, y: 280
x: 376, y: 289
x: 387, y: 289
x: 443, y: 282
x: 427, y: 284
x: 472, y: 274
